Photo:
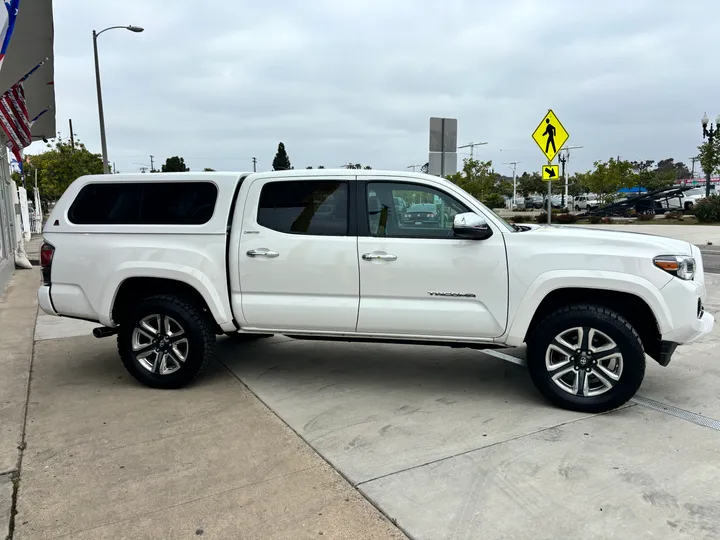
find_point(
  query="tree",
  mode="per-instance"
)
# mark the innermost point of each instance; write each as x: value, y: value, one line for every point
x: 530, y: 183
x: 321, y: 166
x: 476, y: 179
x: 281, y: 162
x: 679, y: 168
x: 58, y: 167
x: 357, y: 166
x: 578, y: 184
x: 175, y: 164
x: 710, y: 156
x: 608, y: 177
x: 208, y: 169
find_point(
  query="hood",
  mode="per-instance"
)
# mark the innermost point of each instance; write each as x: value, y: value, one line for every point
x: 609, y: 238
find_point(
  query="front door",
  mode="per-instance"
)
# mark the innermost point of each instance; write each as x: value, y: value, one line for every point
x: 416, y: 278
x: 298, y: 262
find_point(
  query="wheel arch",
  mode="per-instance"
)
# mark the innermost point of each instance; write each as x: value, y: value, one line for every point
x: 633, y: 308
x: 135, y: 288
x: 634, y: 298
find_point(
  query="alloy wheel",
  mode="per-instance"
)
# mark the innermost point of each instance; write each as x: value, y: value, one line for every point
x: 159, y: 344
x: 584, y: 361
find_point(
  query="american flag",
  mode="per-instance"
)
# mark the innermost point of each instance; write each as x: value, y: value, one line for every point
x: 14, y: 120
x: 8, y: 26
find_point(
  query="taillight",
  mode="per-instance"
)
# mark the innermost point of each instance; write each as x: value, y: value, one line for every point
x: 46, y: 257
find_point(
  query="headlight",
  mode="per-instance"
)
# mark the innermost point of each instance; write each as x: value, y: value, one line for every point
x: 681, y: 266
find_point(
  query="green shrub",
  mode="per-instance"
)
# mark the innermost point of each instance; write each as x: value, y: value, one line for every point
x: 565, y: 218
x: 494, y: 200
x: 594, y: 219
x: 646, y: 217
x: 518, y: 219
x: 707, y: 210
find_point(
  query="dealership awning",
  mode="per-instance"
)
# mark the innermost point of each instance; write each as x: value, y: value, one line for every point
x: 31, y: 43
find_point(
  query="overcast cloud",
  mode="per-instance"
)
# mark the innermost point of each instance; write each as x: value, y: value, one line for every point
x: 220, y: 81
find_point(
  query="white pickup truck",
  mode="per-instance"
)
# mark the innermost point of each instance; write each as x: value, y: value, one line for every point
x: 168, y: 261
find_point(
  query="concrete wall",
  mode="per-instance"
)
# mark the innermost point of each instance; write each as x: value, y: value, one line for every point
x: 8, y: 240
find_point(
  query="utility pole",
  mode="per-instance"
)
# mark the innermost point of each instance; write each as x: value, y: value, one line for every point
x: 514, y: 166
x: 152, y: 163
x: 142, y: 170
x: 566, y: 159
x: 413, y: 166
x: 254, y: 164
x: 692, y: 171
x: 72, y: 136
x: 472, y: 146
x: 563, y: 160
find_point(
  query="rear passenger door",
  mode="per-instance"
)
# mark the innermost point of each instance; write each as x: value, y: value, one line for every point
x: 298, y: 258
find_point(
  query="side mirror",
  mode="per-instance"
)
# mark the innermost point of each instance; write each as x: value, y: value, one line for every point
x: 471, y: 227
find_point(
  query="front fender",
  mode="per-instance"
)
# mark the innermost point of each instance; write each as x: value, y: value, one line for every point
x: 526, y: 306
x: 185, y: 274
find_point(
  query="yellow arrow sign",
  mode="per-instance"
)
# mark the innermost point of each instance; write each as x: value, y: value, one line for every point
x: 550, y: 172
x: 550, y: 135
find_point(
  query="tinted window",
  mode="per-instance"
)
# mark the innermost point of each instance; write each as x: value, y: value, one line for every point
x: 156, y: 203
x: 429, y: 212
x: 308, y: 207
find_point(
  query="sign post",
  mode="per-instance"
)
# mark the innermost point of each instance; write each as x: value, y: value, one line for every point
x: 550, y: 136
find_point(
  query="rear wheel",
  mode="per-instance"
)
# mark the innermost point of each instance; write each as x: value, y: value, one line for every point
x: 586, y: 358
x: 165, y: 342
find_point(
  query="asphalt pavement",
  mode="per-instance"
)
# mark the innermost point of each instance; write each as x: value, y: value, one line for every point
x: 711, y: 258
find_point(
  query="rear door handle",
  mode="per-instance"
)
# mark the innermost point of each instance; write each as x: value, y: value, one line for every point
x: 379, y: 256
x: 262, y: 253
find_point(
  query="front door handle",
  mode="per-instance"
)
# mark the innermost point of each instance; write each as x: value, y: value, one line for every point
x: 262, y: 253
x: 379, y: 256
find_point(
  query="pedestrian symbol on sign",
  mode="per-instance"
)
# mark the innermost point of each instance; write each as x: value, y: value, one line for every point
x: 550, y: 134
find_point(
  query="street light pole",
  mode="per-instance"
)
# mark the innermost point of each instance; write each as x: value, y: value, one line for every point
x: 472, y: 146
x: 101, y: 114
x: 514, y: 167
x: 710, y: 135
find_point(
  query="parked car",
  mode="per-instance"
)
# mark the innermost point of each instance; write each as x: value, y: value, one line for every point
x: 534, y: 201
x: 585, y: 202
x: 421, y: 215
x: 693, y: 196
x: 168, y: 261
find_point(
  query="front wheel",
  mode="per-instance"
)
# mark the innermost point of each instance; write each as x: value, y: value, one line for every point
x: 165, y: 342
x: 586, y: 358
x: 577, y: 208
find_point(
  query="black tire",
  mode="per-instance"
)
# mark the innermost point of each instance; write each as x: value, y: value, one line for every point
x: 577, y: 208
x: 610, y: 324
x: 242, y: 337
x: 197, y: 332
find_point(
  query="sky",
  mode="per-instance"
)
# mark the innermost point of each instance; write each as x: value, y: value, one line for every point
x: 339, y: 81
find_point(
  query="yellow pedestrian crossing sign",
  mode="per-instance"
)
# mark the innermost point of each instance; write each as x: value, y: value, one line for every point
x: 550, y: 135
x: 550, y: 172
